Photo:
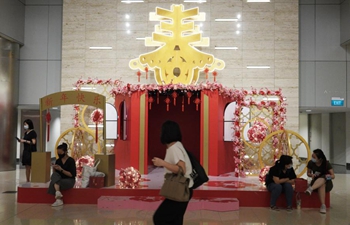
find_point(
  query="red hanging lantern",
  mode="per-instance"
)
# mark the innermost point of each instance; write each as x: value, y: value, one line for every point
x: 174, y: 95
x: 215, y: 74
x: 206, y: 71
x: 197, y: 101
x: 138, y: 75
x: 48, y: 120
x: 150, y: 101
x: 146, y: 70
x: 167, y: 101
x: 189, y: 94
x: 183, y: 103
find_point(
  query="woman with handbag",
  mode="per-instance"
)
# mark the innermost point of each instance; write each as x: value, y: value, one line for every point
x: 29, y: 144
x: 321, y: 172
x: 63, y: 176
x: 176, y: 161
x: 280, y: 179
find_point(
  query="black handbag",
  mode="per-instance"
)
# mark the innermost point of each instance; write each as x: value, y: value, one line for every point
x: 198, y: 173
x: 175, y: 187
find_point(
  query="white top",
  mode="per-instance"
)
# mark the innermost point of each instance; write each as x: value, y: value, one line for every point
x: 174, y: 154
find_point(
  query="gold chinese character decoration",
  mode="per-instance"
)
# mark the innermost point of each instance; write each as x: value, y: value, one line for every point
x: 177, y: 60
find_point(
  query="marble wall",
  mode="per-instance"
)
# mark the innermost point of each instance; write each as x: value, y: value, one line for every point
x: 267, y: 34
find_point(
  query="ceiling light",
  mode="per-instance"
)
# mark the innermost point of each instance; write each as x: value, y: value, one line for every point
x: 258, y: 67
x: 132, y: 1
x: 127, y: 16
x: 100, y: 48
x: 226, y: 20
x: 195, y: 1
x: 238, y: 32
x: 308, y: 110
x: 128, y: 31
x: 238, y: 25
x: 226, y: 48
x: 140, y: 38
x: 258, y: 0
x: 127, y: 24
x: 238, y: 16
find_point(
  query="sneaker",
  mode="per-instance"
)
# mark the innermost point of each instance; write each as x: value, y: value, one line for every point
x: 58, y: 202
x: 308, y: 191
x: 289, y: 208
x: 58, y: 195
x: 274, y: 208
x: 323, y: 209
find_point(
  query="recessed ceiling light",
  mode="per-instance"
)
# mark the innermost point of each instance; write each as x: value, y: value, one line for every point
x: 226, y: 20
x: 238, y: 32
x: 140, y: 38
x: 226, y: 48
x: 128, y: 31
x: 100, y: 48
x: 195, y: 1
x: 258, y: 67
x: 258, y: 0
x: 132, y: 1
x: 308, y: 110
x: 127, y: 16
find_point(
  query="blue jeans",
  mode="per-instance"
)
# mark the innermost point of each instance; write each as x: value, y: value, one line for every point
x: 277, y: 189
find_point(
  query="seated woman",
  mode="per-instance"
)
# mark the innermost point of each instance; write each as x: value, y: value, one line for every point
x: 63, y: 176
x: 321, y: 172
x: 280, y: 179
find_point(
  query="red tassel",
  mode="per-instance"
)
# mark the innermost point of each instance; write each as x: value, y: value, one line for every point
x: 215, y: 74
x: 174, y: 95
x: 206, y: 71
x: 183, y: 103
x: 167, y: 101
x: 96, y: 132
x: 146, y: 69
x: 138, y: 75
x: 48, y: 120
x: 189, y: 94
x: 48, y: 132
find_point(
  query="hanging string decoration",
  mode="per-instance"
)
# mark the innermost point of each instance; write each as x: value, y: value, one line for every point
x: 129, y: 178
x: 167, y: 101
x: 138, y: 74
x: 206, y: 71
x: 215, y: 74
x: 146, y: 70
x: 150, y: 101
x: 174, y: 95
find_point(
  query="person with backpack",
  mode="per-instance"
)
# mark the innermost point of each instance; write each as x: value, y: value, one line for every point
x: 281, y: 178
x: 170, y: 211
x: 321, y: 172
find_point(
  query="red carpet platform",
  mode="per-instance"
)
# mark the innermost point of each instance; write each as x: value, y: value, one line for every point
x: 248, y: 191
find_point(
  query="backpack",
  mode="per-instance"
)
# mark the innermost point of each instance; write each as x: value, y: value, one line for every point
x: 198, y: 174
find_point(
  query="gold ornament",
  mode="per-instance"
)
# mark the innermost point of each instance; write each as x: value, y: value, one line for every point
x: 177, y: 60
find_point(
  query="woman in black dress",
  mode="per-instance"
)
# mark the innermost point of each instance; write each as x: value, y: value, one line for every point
x: 29, y: 143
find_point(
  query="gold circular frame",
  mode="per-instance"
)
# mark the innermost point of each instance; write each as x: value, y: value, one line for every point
x: 68, y: 137
x: 285, y: 138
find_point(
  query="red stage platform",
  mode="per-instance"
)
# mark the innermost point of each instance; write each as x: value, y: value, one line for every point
x: 248, y: 191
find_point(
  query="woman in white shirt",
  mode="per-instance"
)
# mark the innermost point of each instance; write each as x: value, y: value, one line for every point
x: 169, y: 211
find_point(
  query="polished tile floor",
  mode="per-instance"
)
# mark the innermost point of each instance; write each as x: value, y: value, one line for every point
x: 41, y: 214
